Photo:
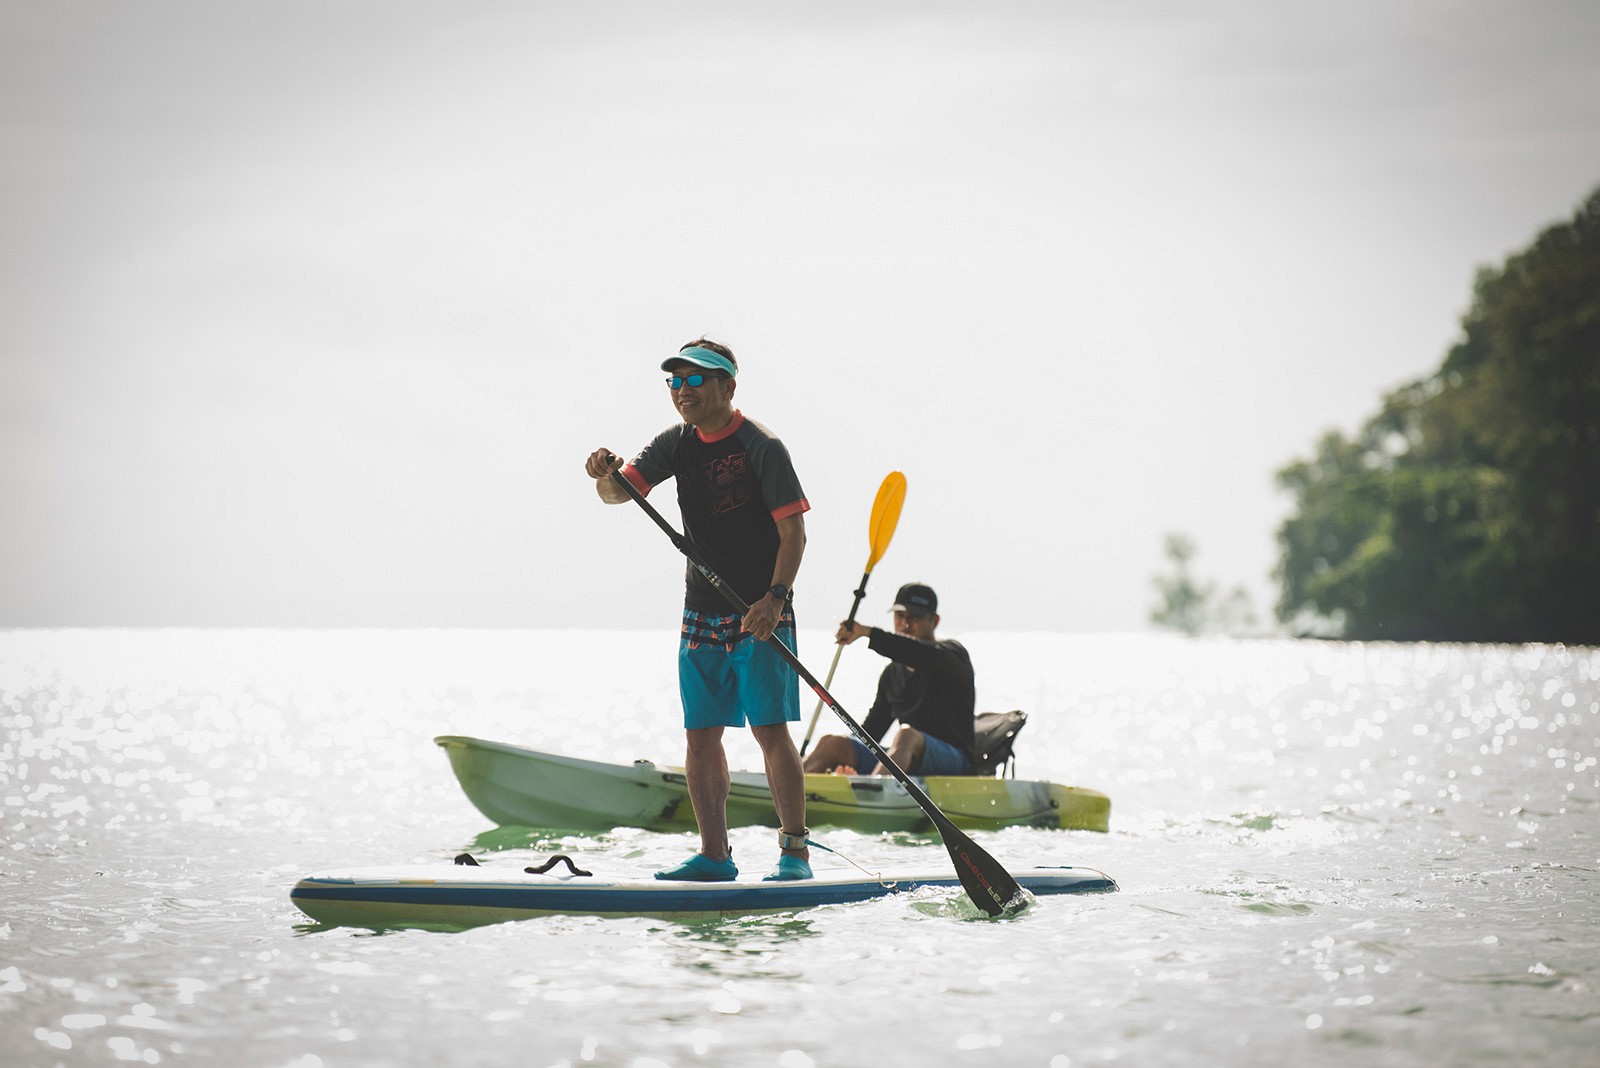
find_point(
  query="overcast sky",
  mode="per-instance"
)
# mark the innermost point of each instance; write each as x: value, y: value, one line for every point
x: 310, y: 312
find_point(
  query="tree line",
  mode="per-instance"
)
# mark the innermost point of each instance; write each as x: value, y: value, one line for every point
x: 1468, y: 507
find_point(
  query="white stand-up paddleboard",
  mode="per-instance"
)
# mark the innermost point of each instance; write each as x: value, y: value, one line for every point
x: 443, y: 895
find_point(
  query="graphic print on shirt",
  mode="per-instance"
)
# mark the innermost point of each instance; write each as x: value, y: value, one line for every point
x: 731, y: 486
x: 729, y: 493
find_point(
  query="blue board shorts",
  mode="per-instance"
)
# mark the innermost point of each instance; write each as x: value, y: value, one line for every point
x: 728, y: 679
x: 938, y: 758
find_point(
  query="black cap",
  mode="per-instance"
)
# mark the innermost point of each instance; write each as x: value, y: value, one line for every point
x: 916, y: 599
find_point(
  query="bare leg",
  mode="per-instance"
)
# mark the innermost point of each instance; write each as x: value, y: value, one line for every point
x: 906, y: 751
x: 706, y: 768
x: 785, y: 778
x: 831, y: 751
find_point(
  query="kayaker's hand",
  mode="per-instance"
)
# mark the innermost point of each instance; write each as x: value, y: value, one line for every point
x: 762, y: 619
x: 849, y: 631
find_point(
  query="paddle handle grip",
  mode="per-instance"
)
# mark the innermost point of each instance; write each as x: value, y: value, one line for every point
x: 861, y: 593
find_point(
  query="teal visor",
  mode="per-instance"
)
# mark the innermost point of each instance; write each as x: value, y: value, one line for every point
x: 712, y: 361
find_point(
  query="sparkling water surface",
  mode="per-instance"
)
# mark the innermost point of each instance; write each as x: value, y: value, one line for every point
x: 1328, y: 854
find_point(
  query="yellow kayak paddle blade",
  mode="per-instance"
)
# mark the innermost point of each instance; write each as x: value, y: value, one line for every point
x: 885, y: 515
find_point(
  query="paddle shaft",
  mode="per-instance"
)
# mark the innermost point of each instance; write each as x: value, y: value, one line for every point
x: 986, y: 881
x: 880, y: 528
x: 861, y: 592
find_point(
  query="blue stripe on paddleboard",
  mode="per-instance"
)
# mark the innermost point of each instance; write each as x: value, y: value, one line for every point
x: 665, y: 897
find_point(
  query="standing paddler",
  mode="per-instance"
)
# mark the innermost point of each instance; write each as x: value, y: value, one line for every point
x: 744, y: 509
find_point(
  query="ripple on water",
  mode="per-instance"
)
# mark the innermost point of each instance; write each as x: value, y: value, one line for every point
x: 1302, y: 831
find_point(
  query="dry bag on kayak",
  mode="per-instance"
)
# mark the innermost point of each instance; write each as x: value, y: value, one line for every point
x: 992, y: 736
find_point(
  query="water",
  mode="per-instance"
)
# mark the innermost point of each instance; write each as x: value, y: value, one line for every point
x: 1328, y: 854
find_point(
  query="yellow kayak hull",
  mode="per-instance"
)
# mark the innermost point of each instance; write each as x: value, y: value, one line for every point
x: 515, y: 786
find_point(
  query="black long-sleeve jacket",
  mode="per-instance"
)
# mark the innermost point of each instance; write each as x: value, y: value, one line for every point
x: 929, y: 686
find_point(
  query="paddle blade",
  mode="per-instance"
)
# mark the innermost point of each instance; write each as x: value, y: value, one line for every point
x: 985, y: 880
x: 885, y: 515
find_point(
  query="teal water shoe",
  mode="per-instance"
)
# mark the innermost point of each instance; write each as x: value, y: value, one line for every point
x: 789, y: 867
x: 702, y: 869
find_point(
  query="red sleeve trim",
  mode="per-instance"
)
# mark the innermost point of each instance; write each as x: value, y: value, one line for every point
x: 802, y: 505
x: 631, y: 473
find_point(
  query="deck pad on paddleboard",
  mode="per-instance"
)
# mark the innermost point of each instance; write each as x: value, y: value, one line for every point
x: 465, y: 896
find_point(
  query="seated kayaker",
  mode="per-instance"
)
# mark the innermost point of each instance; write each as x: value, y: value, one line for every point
x: 928, y: 689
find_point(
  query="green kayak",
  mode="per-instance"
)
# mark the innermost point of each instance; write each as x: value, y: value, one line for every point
x: 522, y: 787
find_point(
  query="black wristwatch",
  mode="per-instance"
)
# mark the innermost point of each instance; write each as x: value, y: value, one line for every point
x: 782, y: 592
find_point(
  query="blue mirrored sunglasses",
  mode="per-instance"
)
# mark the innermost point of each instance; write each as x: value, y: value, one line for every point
x: 695, y: 380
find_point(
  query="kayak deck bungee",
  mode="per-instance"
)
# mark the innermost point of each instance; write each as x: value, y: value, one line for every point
x: 458, y: 896
x: 516, y: 786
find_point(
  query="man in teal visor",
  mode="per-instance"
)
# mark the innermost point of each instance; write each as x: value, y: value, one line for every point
x: 743, y: 509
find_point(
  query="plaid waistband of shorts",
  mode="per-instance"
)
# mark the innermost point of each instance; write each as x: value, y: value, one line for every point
x: 702, y: 628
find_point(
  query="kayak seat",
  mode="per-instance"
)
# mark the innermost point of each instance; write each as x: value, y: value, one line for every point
x: 993, y: 734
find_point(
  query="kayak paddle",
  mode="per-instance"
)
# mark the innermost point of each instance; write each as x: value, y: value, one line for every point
x: 985, y: 880
x: 880, y: 528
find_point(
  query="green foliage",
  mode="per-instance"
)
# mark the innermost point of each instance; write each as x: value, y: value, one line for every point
x: 1468, y: 508
x: 1182, y: 606
x: 1192, y: 607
